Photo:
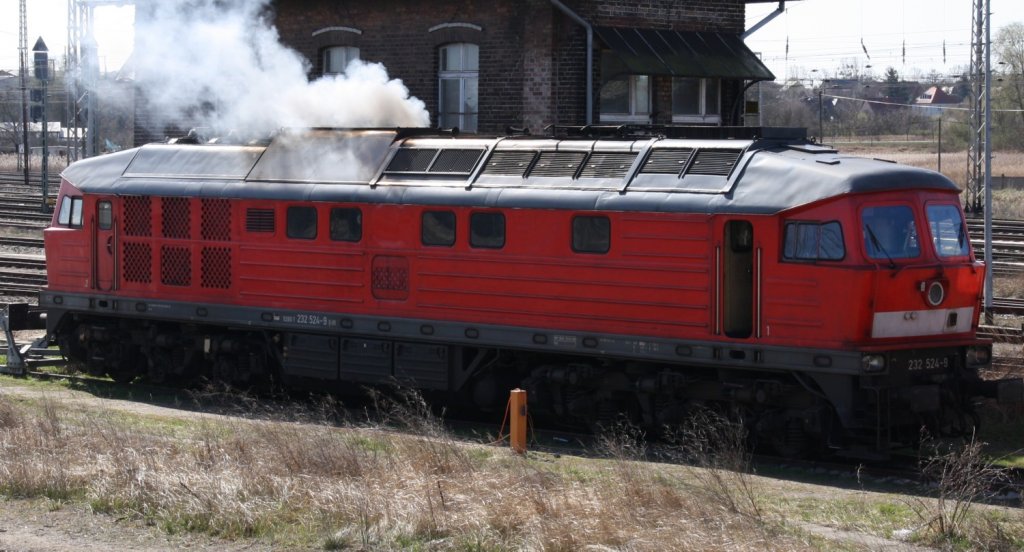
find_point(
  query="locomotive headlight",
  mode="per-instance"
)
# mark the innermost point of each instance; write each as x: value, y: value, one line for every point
x: 872, y: 363
x: 936, y: 293
x: 979, y: 355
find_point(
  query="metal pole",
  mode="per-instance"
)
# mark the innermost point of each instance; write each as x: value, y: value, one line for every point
x: 821, y: 111
x: 46, y: 151
x: 23, y: 54
x: 940, y: 143
x: 988, y: 161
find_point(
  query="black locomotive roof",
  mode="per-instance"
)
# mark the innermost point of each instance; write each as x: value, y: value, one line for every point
x: 756, y: 176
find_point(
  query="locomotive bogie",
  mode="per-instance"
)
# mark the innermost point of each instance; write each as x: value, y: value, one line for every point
x: 637, y: 278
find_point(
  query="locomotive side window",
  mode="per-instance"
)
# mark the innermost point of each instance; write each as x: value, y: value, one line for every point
x: 591, y: 234
x: 487, y: 230
x: 438, y: 228
x: 948, y: 233
x: 890, y: 233
x: 302, y: 223
x: 812, y: 241
x: 346, y: 224
x: 105, y: 215
x: 70, y: 212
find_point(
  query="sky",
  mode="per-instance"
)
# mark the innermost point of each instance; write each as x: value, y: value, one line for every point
x: 49, y: 19
x: 825, y: 34
x: 821, y: 34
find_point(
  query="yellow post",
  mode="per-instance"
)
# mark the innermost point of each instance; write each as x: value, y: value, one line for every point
x: 517, y: 421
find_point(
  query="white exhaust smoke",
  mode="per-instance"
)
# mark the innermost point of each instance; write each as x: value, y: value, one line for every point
x: 220, y: 63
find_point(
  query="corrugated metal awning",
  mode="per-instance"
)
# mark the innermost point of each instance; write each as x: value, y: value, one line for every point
x: 678, y: 53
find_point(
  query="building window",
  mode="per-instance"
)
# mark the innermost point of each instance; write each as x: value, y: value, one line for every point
x: 591, y: 234
x: 487, y: 230
x: 458, y: 78
x: 346, y: 224
x: 302, y: 223
x: 626, y: 98
x: 438, y: 228
x: 696, y: 101
x: 337, y: 58
x: 812, y: 241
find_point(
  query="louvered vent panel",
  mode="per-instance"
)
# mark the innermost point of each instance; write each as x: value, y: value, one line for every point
x: 259, y: 220
x: 175, y: 266
x: 176, y: 211
x: 216, y: 223
x: 457, y: 161
x: 509, y: 163
x: 411, y: 160
x: 558, y: 164
x: 714, y: 162
x: 608, y: 165
x: 216, y: 267
x: 667, y: 161
x: 137, y: 216
x: 138, y: 263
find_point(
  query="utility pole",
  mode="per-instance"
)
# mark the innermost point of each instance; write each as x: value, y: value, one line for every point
x: 23, y: 74
x: 988, y: 161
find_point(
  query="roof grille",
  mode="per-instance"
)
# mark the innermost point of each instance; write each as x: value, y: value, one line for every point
x: 411, y: 160
x: 509, y: 163
x: 456, y: 161
x: 667, y: 161
x: 558, y: 163
x: 259, y: 220
x: 714, y: 162
x: 608, y: 165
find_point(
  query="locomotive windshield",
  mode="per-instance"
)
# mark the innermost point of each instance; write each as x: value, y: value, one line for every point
x: 948, y: 233
x: 890, y: 233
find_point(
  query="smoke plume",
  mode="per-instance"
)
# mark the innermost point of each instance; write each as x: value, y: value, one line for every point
x: 221, y: 63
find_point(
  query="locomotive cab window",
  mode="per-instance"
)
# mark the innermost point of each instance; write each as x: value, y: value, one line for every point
x: 302, y: 223
x: 813, y: 241
x: 70, y: 212
x: 948, y: 233
x: 889, y: 233
x: 591, y: 234
x: 438, y: 228
x: 487, y: 230
x: 104, y: 215
x: 346, y: 224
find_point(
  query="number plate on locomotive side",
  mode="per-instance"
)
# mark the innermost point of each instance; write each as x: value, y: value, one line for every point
x: 929, y: 360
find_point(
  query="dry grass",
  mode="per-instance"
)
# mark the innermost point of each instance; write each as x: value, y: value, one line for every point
x: 9, y: 163
x: 313, y: 484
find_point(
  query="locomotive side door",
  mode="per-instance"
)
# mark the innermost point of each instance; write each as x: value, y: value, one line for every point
x: 738, y: 279
x: 105, y: 245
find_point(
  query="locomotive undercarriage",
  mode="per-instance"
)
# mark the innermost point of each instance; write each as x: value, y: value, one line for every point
x: 791, y: 413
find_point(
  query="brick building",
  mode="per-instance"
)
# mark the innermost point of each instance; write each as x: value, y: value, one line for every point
x: 484, y: 66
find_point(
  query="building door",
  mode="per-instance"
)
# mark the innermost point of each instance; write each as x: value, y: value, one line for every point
x: 105, y: 245
x: 738, y: 279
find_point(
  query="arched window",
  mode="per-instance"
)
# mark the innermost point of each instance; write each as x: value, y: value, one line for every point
x: 337, y: 58
x: 458, y: 75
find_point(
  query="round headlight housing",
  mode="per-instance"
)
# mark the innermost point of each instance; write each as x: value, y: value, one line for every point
x: 936, y: 293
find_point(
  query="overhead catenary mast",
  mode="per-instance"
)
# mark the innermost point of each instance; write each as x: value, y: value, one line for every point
x: 23, y: 75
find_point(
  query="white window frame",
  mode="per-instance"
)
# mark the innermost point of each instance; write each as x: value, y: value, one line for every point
x: 465, y: 76
x: 633, y: 116
x: 349, y: 53
x: 702, y: 116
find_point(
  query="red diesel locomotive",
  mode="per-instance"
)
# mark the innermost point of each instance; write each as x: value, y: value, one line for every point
x: 829, y: 300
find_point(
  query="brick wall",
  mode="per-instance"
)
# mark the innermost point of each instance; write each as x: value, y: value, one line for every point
x: 532, y: 56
